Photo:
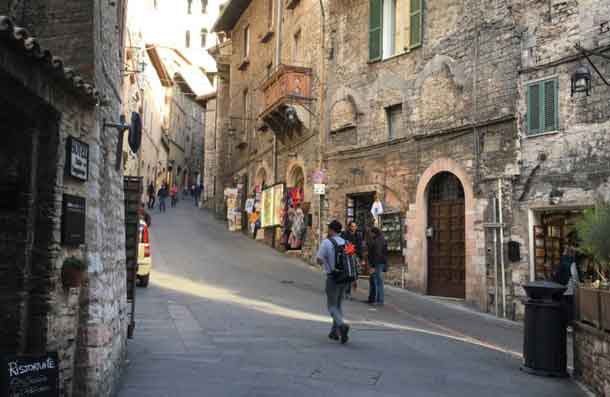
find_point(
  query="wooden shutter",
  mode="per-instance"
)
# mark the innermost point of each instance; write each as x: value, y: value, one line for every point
x: 375, y: 25
x: 534, y: 110
x: 415, y: 23
x: 550, y: 105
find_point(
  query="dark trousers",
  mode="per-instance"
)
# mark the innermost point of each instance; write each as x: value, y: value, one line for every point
x: 151, y: 201
x: 567, y: 305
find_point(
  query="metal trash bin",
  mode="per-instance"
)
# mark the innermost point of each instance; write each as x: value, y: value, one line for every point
x: 544, y: 337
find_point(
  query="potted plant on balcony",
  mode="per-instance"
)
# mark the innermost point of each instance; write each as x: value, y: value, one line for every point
x: 72, y: 272
x: 594, y: 233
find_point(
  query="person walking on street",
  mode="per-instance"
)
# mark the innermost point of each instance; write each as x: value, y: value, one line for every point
x: 378, y: 261
x: 162, y: 194
x: 353, y: 235
x: 326, y: 257
x: 150, y: 191
x: 174, y: 195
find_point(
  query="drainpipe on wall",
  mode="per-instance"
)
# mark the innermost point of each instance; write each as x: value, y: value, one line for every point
x: 501, y: 230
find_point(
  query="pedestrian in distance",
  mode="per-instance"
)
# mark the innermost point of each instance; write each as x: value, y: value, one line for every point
x: 327, y: 257
x: 378, y: 261
x: 151, y: 195
x: 353, y: 235
x: 174, y: 195
x: 162, y: 195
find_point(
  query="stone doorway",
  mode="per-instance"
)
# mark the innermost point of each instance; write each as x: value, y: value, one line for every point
x: 28, y: 217
x: 446, y: 237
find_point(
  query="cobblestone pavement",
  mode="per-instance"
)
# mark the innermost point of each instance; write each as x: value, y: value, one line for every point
x: 227, y: 316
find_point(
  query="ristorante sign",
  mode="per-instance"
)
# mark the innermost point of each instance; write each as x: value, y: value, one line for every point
x: 29, y: 376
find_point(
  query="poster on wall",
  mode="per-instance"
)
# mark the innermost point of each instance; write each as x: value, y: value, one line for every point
x: 233, y: 212
x: 272, y: 206
x: 278, y: 204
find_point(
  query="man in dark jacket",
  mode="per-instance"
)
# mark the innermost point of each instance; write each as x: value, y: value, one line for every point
x: 378, y: 261
x: 353, y: 235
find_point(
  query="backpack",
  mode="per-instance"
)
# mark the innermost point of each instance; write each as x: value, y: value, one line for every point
x: 346, y: 270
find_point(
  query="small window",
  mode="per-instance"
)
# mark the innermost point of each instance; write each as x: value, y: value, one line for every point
x: 204, y: 6
x: 246, y: 41
x: 393, y: 116
x: 189, y: 9
x: 187, y: 39
x: 542, y: 106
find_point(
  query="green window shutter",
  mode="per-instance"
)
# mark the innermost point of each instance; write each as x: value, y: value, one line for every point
x: 415, y: 34
x: 534, y: 96
x: 375, y: 23
x: 551, y: 100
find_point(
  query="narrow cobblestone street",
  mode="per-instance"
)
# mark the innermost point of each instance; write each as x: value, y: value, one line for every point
x: 226, y: 316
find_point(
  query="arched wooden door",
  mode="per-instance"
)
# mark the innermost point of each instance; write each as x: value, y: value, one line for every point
x: 446, y: 248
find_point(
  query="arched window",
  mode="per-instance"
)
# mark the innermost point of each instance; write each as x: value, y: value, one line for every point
x: 189, y: 6
x: 204, y: 35
x: 187, y: 39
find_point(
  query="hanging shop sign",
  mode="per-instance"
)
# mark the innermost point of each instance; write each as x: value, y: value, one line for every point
x: 36, y: 376
x: 73, y: 220
x: 77, y: 159
x: 319, y: 189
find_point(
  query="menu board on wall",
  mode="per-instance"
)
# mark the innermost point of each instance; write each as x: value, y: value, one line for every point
x: 272, y: 207
x: 30, y: 376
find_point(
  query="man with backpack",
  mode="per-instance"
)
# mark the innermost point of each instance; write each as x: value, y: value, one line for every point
x: 336, y: 264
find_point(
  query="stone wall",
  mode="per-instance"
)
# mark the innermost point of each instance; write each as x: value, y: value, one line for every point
x: 592, y: 358
x: 572, y: 161
x: 457, y: 93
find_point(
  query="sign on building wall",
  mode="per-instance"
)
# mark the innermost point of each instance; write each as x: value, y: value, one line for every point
x: 77, y: 159
x: 36, y: 376
x: 73, y: 220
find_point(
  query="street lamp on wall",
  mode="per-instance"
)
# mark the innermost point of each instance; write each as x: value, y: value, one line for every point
x: 581, y: 80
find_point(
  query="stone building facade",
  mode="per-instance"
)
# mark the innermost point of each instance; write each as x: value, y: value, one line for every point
x: 456, y: 115
x: 564, y: 162
x: 54, y: 72
x: 275, y: 68
x: 423, y: 118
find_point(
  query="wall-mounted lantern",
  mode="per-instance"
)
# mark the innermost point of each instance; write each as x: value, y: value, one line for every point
x: 581, y: 80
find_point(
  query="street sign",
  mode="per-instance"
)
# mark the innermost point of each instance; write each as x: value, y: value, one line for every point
x: 318, y: 177
x: 319, y: 189
x: 77, y: 159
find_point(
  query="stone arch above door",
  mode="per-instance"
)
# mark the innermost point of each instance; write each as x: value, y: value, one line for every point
x: 417, y: 219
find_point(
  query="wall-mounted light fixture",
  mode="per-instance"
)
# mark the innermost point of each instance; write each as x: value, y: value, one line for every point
x: 581, y: 80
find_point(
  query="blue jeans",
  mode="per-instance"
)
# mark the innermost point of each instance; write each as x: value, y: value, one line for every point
x: 377, y: 278
x: 162, y: 204
x: 334, y: 301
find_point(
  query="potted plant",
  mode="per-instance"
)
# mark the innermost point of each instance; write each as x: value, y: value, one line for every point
x: 594, y: 233
x: 72, y: 272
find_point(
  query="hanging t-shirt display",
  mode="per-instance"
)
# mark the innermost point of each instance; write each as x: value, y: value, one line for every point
x: 295, y: 227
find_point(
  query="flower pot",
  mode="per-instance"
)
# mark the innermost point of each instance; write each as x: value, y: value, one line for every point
x: 71, y: 277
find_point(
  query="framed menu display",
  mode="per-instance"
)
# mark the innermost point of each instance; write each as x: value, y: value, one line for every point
x: 392, y: 228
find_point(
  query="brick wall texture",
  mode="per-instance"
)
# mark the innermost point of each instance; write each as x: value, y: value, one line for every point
x: 592, y: 359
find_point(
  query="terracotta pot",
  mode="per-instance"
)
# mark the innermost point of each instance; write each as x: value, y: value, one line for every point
x: 71, y: 277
